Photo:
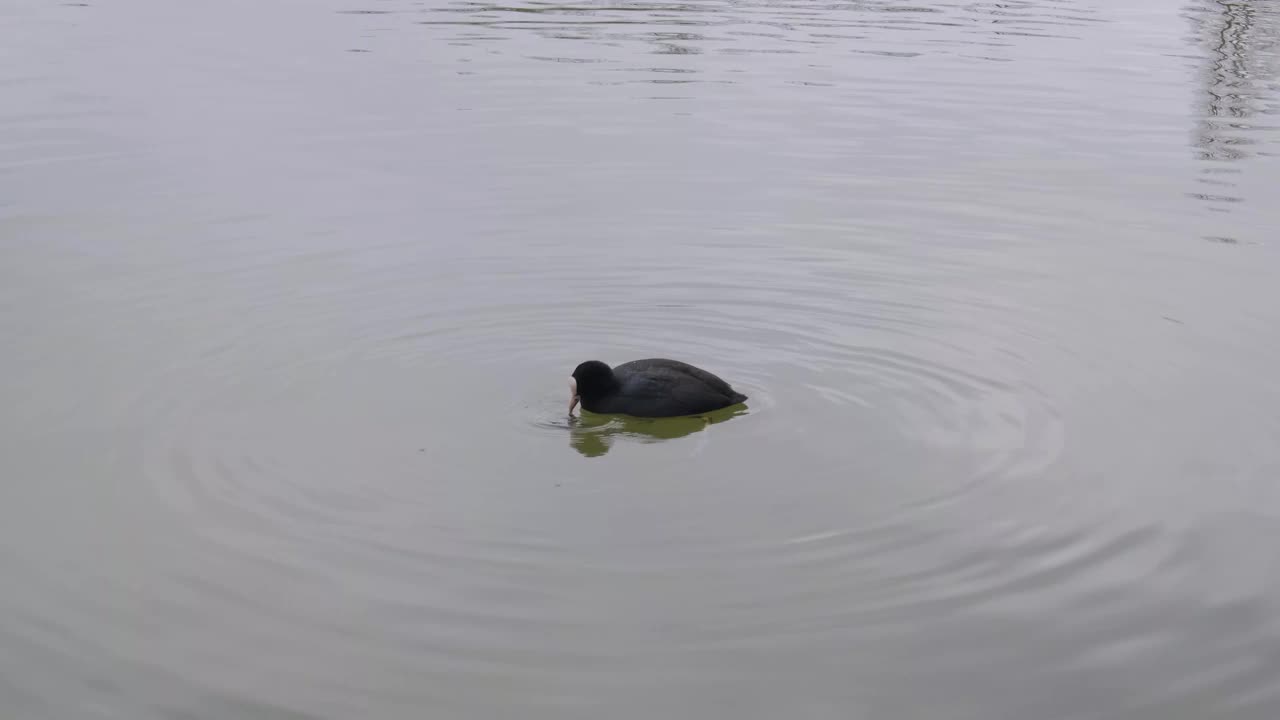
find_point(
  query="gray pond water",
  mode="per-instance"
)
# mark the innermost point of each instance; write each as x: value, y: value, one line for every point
x: 289, y: 291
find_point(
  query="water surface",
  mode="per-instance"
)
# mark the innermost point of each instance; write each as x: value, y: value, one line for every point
x: 289, y: 292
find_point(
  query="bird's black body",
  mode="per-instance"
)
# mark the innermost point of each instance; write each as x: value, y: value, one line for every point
x: 652, y: 388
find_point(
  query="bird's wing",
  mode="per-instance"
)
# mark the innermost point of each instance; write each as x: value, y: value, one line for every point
x: 676, y: 368
x: 665, y: 387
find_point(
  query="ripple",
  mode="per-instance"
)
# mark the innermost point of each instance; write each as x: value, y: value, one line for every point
x: 790, y: 23
x: 790, y: 338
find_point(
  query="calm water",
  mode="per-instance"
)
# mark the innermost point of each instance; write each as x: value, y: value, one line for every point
x: 289, y: 291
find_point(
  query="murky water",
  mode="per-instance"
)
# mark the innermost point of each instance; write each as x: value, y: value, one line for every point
x: 289, y: 291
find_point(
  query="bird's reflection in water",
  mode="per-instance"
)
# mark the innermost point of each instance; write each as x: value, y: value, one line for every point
x: 593, y: 435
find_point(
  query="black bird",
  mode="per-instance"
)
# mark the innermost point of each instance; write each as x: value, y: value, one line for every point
x: 649, y: 388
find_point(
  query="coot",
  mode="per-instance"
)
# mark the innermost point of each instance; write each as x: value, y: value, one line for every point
x: 649, y: 388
